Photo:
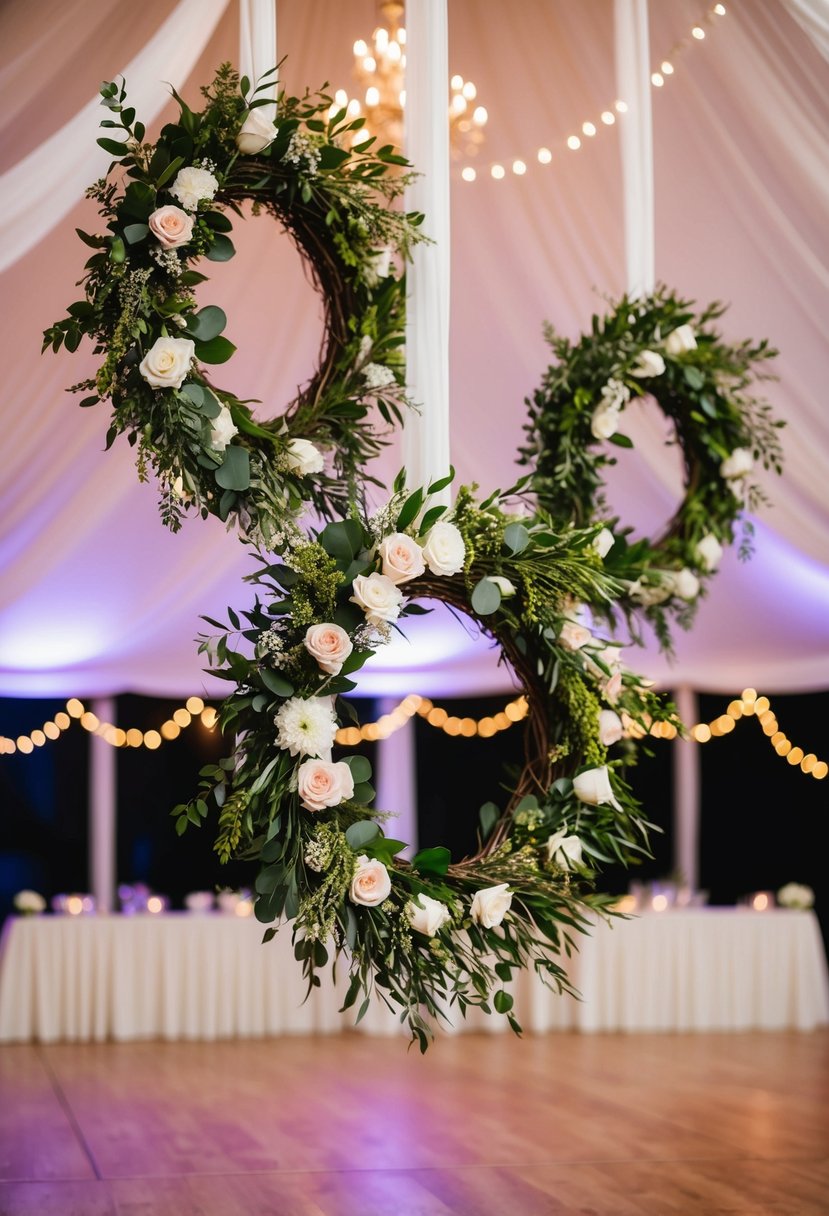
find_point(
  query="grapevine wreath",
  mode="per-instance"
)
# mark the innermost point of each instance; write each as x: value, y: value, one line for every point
x: 541, y: 568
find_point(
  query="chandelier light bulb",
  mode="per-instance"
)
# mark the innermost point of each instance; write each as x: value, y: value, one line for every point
x: 468, y: 174
x: 459, y: 104
x: 469, y: 91
x: 341, y: 97
x: 698, y: 32
x: 574, y: 143
x: 480, y: 115
x: 719, y: 9
x: 372, y: 95
x: 381, y: 39
x: 394, y: 52
x: 497, y: 172
x: 360, y: 49
x: 353, y: 108
x: 621, y: 107
x: 456, y: 83
x: 370, y: 63
x: 588, y: 128
x: 667, y: 68
x: 657, y: 80
x: 401, y: 36
x: 544, y: 156
x: 519, y: 168
x: 402, y: 99
x: 608, y: 118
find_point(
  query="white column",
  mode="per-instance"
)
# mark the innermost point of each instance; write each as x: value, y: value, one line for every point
x: 686, y: 791
x: 633, y: 86
x: 397, y: 779
x: 426, y: 435
x: 257, y: 43
x: 102, y: 810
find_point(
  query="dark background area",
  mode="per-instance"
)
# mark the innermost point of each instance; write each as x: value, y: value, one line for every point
x: 763, y: 822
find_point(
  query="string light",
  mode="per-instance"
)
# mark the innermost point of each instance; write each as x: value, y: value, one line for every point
x: 76, y: 711
x: 436, y: 716
x: 659, y: 78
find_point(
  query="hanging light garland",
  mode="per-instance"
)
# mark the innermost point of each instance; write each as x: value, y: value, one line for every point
x: 518, y: 166
x: 747, y: 705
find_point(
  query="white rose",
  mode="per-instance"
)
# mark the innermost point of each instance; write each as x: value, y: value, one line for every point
x: 685, y: 584
x: 709, y: 552
x: 171, y: 226
x: 491, y: 904
x: 167, y: 362
x: 681, y: 340
x: 615, y: 395
x: 503, y: 584
x: 377, y: 266
x: 330, y: 645
x: 444, y: 550
x: 378, y: 597
x: 649, y: 594
x: 650, y: 363
x: 29, y: 903
x: 610, y: 727
x: 255, y: 133
x: 222, y: 430
x: 402, y: 558
x: 738, y: 464
x: 427, y: 915
x: 593, y: 787
x: 603, y: 542
x: 572, y: 635
x: 303, y: 457
x: 321, y: 783
x: 795, y: 895
x: 564, y: 850
x: 604, y: 423
x: 371, y: 883
x: 192, y: 185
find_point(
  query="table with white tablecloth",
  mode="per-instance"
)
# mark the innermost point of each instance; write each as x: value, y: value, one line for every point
x: 184, y: 976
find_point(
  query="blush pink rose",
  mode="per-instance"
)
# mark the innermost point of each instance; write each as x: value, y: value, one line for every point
x: 402, y: 558
x: 371, y: 883
x: 573, y: 636
x: 613, y: 687
x: 171, y: 226
x: 321, y: 784
x: 330, y: 645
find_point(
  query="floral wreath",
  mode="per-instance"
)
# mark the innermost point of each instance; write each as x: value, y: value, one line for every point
x: 660, y: 349
x: 428, y: 934
x: 170, y: 209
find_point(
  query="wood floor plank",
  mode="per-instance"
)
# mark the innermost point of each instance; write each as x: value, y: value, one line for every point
x: 37, y: 1140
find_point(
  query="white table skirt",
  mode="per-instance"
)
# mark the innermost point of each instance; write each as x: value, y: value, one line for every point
x: 181, y: 976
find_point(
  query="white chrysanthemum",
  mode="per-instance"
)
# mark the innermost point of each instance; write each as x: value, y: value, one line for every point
x: 377, y: 376
x: 306, y: 728
x: 192, y: 186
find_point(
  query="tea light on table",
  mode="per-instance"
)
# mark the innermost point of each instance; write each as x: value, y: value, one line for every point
x: 659, y: 903
x: 761, y: 901
x: 156, y: 904
x: 244, y: 907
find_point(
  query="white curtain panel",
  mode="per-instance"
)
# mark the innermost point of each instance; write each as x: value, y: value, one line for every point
x: 40, y: 190
x: 257, y: 43
x: 813, y: 17
x: 633, y: 81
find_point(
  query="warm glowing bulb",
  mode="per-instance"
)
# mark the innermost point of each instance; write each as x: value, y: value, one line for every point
x: 341, y: 97
x: 588, y: 128
x: 134, y: 737
x: 459, y: 104
x: 394, y: 52
x: 794, y: 757
x: 182, y: 717
x: 701, y: 733
x: 38, y: 738
x: 719, y: 9
x: 469, y: 91
x: 360, y: 48
x: 608, y: 118
x: 155, y: 905
x: 25, y: 745
x: 621, y: 107
x: 519, y: 168
x: 468, y: 174
x: 659, y: 903
x: 152, y: 740
x: 667, y: 67
x: 657, y: 80
x: 457, y: 83
x: 760, y: 902
x: 820, y: 770
x: 402, y: 99
x: 244, y: 908
x: 808, y: 762
x: 698, y: 32
x: 381, y: 39
x: 401, y: 36
x: 51, y: 730
x: 573, y: 142
x: 74, y: 707
x: 62, y: 720
x: 170, y: 730
x: 74, y: 905
x: 480, y: 115
x: 761, y: 705
x: 89, y: 721
x: 749, y: 695
x: 497, y: 172
x: 194, y: 705
x: 544, y: 156
x: 372, y: 95
x: 353, y: 108
x: 209, y: 717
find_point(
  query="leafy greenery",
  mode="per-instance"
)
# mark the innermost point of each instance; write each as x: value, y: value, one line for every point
x: 338, y: 205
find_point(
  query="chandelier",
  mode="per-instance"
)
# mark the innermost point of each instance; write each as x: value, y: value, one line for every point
x: 380, y: 70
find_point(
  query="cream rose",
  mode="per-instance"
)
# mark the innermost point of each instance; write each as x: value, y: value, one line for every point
x: 303, y: 457
x: 648, y: 594
x: 321, y: 783
x: 603, y: 542
x: 604, y: 423
x: 444, y: 550
x: 330, y: 645
x: 681, y: 340
x: 650, y: 363
x: 685, y: 584
x: 171, y: 226
x: 610, y: 727
x: 402, y: 558
x: 256, y: 133
x: 427, y: 915
x: 378, y: 597
x: 709, y: 552
x: 222, y: 430
x: 593, y: 787
x: 193, y: 185
x: 572, y: 635
x: 564, y: 850
x: 167, y: 362
x: 738, y: 464
x: 371, y: 883
x: 612, y: 688
x: 491, y: 904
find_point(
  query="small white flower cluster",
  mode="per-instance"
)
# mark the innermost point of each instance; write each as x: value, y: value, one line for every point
x: 318, y: 854
x: 271, y: 645
x: 168, y: 260
x: 377, y: 376
x: 302, y: 151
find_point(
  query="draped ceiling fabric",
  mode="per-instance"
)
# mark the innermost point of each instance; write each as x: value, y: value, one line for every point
x: 96, y: 597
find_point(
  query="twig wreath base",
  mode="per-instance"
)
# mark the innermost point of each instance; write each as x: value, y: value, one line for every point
x: 433, y: 934
x: 660, y: 350
x: 170, y: 208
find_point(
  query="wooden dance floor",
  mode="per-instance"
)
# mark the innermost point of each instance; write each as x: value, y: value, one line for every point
x: 641, y: 1125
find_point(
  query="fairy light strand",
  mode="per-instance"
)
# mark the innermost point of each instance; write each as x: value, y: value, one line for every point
x: 662, y: 72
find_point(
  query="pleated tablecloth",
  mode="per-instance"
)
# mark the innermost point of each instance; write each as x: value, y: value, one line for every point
x: 184, y: 976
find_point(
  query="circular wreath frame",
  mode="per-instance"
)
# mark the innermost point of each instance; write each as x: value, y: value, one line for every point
x: 660, y: 349
x: 336, y: 204
x: 518, y: 581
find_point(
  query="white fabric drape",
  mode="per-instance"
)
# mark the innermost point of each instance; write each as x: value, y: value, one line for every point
x: 40, y: 190
x: 813, y: 17
x: 397, y: 779
x: 633, y: 87
x: 257, y: 44
x: 426, y: 435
